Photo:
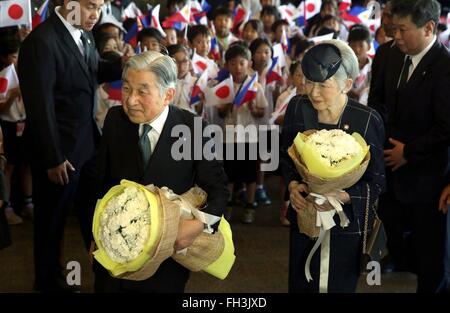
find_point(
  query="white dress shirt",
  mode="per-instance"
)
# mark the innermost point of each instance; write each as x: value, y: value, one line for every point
x: 157, y: 126
x: 74, y: 32
x: 415, y: 59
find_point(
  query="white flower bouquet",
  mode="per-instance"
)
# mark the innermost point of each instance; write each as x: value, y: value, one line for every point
x: 135, y: 228
x: 328, y: 161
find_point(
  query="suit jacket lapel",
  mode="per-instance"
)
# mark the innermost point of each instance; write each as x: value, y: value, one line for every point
x: 68, y: 41
x: 392, y: 81
x: 421, y: 69
x: 128, y: 141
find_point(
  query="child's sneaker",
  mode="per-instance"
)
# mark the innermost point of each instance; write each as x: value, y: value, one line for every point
x: 11, y: 217
x: 261, y: 196
x: 249, y: 214
x: 28, y: 211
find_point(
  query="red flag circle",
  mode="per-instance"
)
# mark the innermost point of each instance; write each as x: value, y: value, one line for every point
x: 15, y: 11
x: 223, y: 92
x: 3, y: 84
x: 310, y: 7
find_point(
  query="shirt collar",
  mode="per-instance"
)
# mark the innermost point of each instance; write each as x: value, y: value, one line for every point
x: 75, y: 32
x: 158, y: 123
x: 415, y: 59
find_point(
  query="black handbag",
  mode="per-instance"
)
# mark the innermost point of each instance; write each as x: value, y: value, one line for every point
x: 374, y: 244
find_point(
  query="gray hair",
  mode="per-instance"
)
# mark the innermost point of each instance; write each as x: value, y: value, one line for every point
x: 163, y: 66
x: 349, y: 67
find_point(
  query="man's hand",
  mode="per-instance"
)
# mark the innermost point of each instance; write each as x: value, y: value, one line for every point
x: 298, y: 202
x: 394, y: 157
x: 188, y: 230
x: 91, y: 253
x: 444, y: 201
x: 59, y: 174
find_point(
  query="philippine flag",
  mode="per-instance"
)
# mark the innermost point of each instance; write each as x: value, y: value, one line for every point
x: 274, y: 72
x: 131, y: 36
x: 183, y: 15
x: 115, y: 90
x: 214, y: 52
x: 344, y: 5
x: 15, y: 12
x: 199, y: 88
x: 199, y: 63
x: 154, y: 22
x: 40, y: 15
x: 284, y: 41
x: 222, y: 93
x: 131, y: 11
x: 8, y: 80
x: 248, y: 91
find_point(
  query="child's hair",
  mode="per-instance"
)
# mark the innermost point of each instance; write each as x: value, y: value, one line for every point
x: 293, y: 67
x: 256, y: 25
x: 101, y: 39
x: 172, y: 49
x: 300, y: 45
x: 270, y: 10
x: 221, y: 10
x: 9, y: 45
x: 237, y: 50
x: 197, y: 30
x: 110, y: 56
x: 359, y: 32
x: 278, y: 23
x: 129, y: 23
x: 325, y: 31
x: 150, y: 32
x: 259, y: 42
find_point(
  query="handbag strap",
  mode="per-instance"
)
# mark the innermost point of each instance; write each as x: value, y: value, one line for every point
x: 366, y: 219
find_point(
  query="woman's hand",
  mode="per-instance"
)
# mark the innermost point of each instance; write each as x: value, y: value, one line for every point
x: 296, y: 189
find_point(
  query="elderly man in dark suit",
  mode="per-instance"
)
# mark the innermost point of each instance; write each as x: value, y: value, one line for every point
x: 59, y: 71
x: 413, y: 98
x: 137, y: 144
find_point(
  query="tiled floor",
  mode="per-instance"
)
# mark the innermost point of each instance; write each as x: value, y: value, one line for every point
x: 261, y: 263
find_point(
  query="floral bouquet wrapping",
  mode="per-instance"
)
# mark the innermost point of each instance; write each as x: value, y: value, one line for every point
x: 328, y: 161
x: 135, y: 228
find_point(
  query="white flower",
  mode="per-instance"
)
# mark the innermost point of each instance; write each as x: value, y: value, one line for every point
x: 125, y: 225
x: 334, y: 146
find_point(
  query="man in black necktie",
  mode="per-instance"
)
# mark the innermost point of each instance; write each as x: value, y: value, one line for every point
x: 413, y: 98
x: 137, y: 144
x: 59, y: 72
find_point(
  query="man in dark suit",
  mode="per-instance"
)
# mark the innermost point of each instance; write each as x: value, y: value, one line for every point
x: 146, y: 119
x: 413, y: 98
x: 59, y: 71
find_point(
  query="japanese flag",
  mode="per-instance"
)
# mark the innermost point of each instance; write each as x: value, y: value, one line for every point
x: 222, y: 93
x: 312, y: 7
x: 15, y: 12
x: 8, y: 80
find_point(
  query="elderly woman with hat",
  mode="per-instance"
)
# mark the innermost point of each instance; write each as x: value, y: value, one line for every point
x: 330, y: 69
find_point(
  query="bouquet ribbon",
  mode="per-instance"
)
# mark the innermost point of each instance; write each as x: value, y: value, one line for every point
x: 325, y: 221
